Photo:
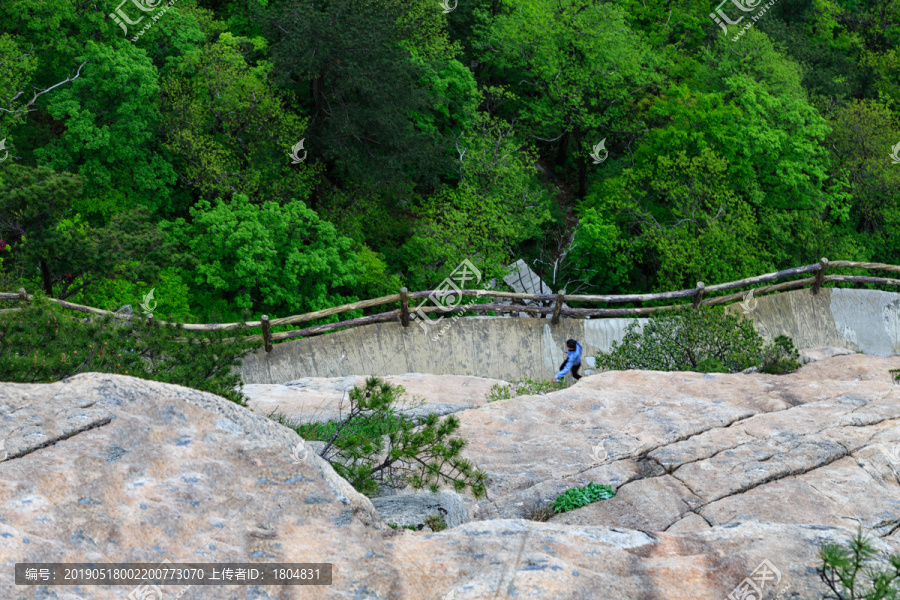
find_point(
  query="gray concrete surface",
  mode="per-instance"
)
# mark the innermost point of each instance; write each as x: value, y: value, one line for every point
x: 512, y: 348
x: 866, y: 321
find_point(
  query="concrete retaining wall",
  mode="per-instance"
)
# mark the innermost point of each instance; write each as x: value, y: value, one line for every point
x: 513, y: 348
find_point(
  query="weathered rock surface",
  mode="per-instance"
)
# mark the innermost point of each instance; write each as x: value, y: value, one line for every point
x: 819, y: 446
x: 412, y: 509
x: 714, y: 474
x: 115, y: 469
x: 323, y: 399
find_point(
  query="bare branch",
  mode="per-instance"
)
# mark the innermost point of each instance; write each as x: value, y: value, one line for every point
x: 38, y: 94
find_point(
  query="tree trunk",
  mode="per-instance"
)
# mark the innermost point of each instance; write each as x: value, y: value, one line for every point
x: 582, y: 165
x: 563, y: 151
x: 315, y: 93
x: 313, y: 200
x: 315, y: 128
x: 45, y: 277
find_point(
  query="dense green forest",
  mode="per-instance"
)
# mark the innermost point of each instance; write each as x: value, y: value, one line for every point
x: 279, y: 157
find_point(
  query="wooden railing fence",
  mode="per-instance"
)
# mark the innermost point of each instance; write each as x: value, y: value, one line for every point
x: 699, y: 296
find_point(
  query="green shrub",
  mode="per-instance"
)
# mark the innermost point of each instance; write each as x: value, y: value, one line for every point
x: 706, y: 340
x: 895, y: 374
x: 780, y: 357
x: 375, y: 446
x: 395, y: 526
x: 578, y: 497
x: 854, y: 572
x: 42, y: 343
x: 523, y: 387
x: 436, y: 522
x: 711, y: 365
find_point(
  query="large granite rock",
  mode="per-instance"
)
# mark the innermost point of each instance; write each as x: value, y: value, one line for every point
x: 714, y: 475
x: 116, y: 469
x: 819, y: 446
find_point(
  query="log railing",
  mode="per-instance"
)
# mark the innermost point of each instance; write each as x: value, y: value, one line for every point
x: 699, y: 296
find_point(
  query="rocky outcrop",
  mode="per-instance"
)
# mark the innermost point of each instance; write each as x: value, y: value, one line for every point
x: 816, y: 447
x: 715, y: 475
x: 116, y: 469
x: 316, y: 399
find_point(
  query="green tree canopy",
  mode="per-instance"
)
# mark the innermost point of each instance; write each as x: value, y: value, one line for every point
x: 346, y: 62
x: 576, y: 68
x: 229, y: 128
x: 109, y: 123
x: 497, y: 205
x: 50, y: 237
x: 737, y: 160
x: 266, y: 257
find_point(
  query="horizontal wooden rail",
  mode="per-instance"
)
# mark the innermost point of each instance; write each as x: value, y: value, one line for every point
x: 769, y: 289
x: 550, y: 304
x: 847, y: 264
x: 631, y: 298
x: 62, y: 303
x: 394, y: 315
x: 861, y: 279
x: 709, y: 289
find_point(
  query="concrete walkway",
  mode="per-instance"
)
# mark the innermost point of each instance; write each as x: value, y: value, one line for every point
x: 512, y: 348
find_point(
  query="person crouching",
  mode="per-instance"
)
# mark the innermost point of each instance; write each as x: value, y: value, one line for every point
x: 572, y: 362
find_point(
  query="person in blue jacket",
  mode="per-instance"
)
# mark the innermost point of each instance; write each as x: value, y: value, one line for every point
x: 572, y: 362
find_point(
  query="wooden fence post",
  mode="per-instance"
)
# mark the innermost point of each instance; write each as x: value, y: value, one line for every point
x: 698, y: 296
x: 267, y: 333
x: 558, y: 307
x: 820, y: 276
x: 404, y: 307
x: 22, y: 295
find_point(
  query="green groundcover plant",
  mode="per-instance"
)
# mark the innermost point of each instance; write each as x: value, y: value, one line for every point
x: 395, y: 526
x: 523, y: 387
x: 42, y: 343
x: 707, y: 340
x: 582, y: 496
x: 376, y: 445
x: 780, y: 356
